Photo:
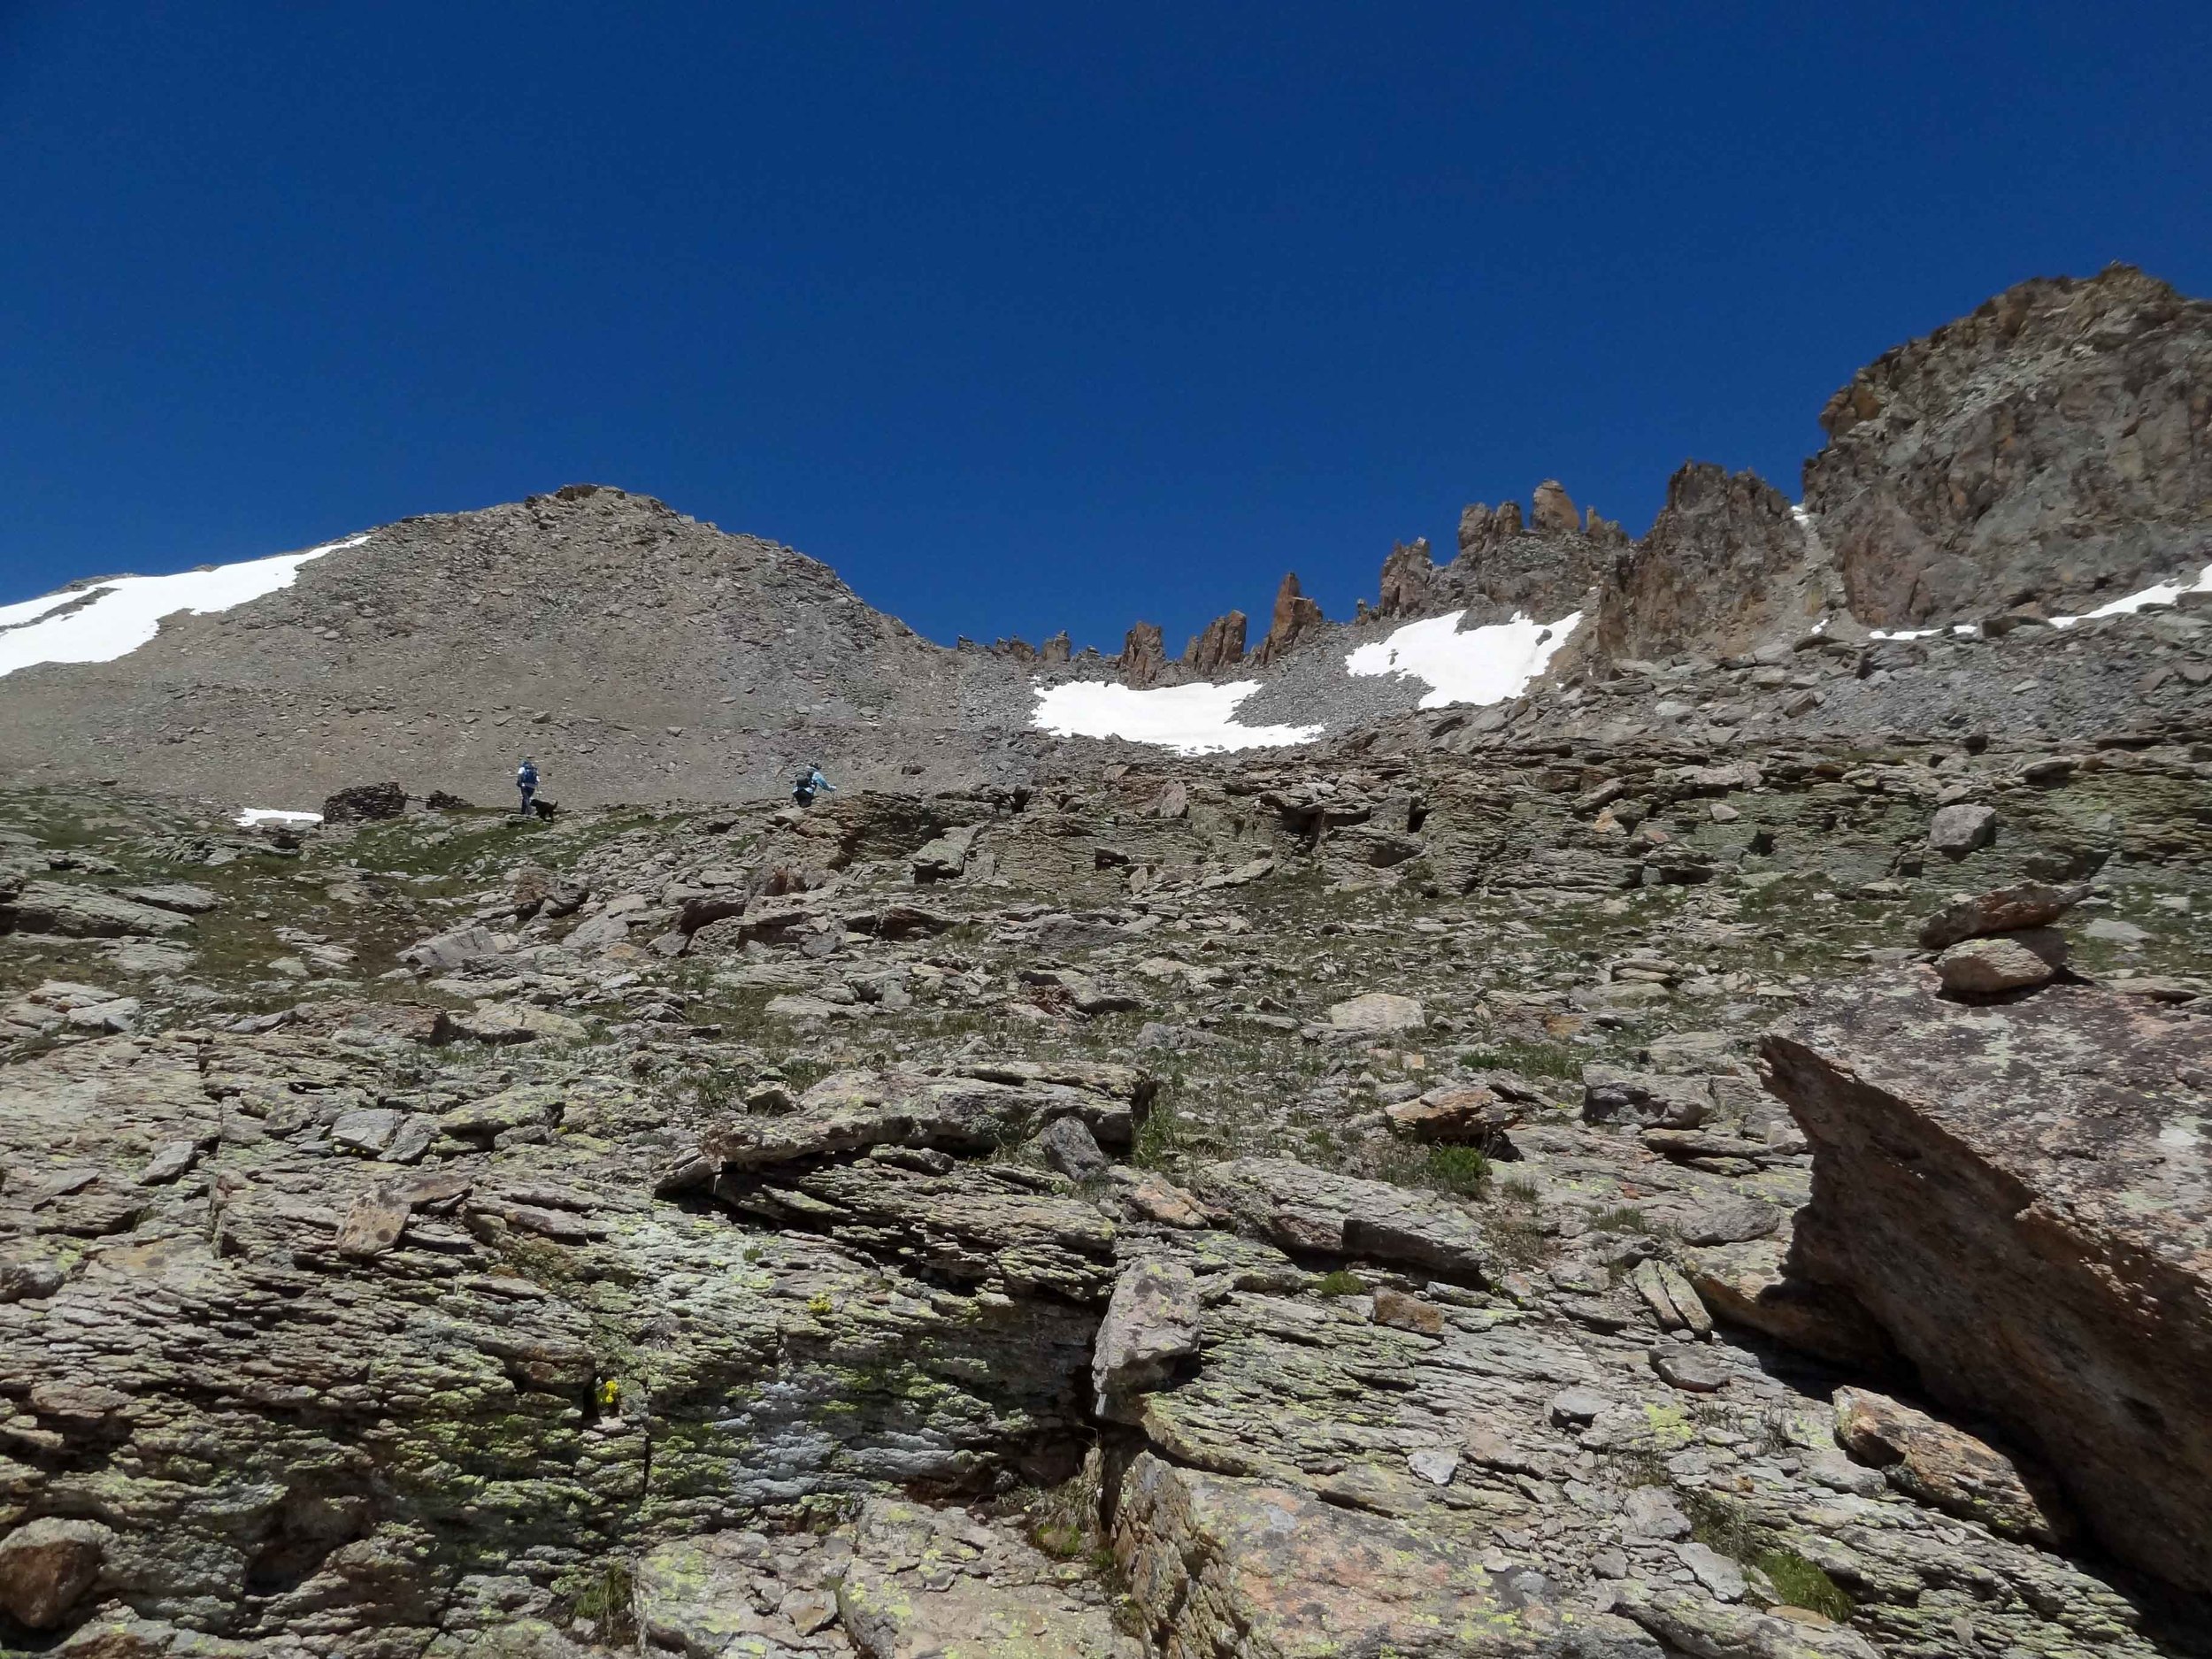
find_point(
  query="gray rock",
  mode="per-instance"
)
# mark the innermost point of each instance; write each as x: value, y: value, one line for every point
x: 1151, y: 1322
x: 1960, y: 829
x: 47, y: 1564
x: 1068, y: 1145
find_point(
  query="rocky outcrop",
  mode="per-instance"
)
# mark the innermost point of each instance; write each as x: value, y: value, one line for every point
x: 1718, y: 573
x: 365, y: 803
x: 1220, y: 647
x: 1143, y: 655
x: 2018, y: 1194
x: 1409, y: 579
x: 1544, y: 567
x: 1295, y: 618
x: 2054, y: 448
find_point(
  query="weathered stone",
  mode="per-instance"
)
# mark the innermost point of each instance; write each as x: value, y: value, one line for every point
x: 1151, y: 1322
x: 933, y: 1582
x: 1377, y: 1013
x: 2015, y: 1192
x: 1068, y: 1145
x: 2007, y: 961
x: 1961, y: 828
x: 75, y: 912
x: 2006, y: 910
x: 1217, y: 1564
x: 47, y: 1564
x: 443, y: 952
x: 1305, y: 1210
x: 1950, y: 1469
x: 1461, y: 1113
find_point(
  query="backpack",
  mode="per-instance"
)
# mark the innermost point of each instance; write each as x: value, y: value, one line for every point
x: 805, y: 780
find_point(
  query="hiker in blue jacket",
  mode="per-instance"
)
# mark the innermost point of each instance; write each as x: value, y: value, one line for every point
x: 809, y: 782
x: 527, y: 780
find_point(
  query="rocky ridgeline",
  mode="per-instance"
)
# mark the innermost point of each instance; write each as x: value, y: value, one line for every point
x: 1323, y: 1202
x: 2036, y: 460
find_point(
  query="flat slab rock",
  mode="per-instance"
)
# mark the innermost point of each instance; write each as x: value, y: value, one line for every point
x: 2021, y: 1195
x: 1219, y: 1564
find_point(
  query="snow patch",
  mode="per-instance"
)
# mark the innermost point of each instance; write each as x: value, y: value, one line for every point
x: 2127, y: 604
x: 1481, y: 665
x: 1198, y: 719
x: 254, y: 814
x: 128, y: 609
x: 2162, y: 594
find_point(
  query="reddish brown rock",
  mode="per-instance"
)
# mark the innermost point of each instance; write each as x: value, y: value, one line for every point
x: 2020, y: 1194
x: 1295, y: 618
x: 1220, y: 647
x: 1143, y: 655
x: 1409, y: 578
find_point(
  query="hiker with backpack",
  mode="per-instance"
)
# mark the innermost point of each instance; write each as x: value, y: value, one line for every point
x: 805, y: 786
x: 527, y: 780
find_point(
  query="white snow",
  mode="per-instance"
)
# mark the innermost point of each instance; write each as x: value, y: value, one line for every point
x: 2127, y: 604
x: 254, y: 814
x: 129, y: 610
x: 1198, y: 719
x: 22, y: 612
x: 1481, y: 665
x: 2162, y: 594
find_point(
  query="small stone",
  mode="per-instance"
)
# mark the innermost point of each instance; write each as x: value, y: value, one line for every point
x: 1651, y: 1513
x: 1720, y: 1575
x: 46, y: 1564
x: 1376, y: 1013
x: 1693, y: 1369
x: 1151, y: 1322
x: 1395, y: 1308
x: 29, y: 1278
x: 1434, y: 1464
x: 1576, y: 1407
x: 1067, y: 1144
x: 1958, y: 830
x: 169, y: 1162
x: 2010, y: 962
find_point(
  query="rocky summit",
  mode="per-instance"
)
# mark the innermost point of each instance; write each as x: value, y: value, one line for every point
x: 1644, y: 1098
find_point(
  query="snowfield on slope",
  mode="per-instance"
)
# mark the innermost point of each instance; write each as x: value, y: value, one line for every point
x: 1198, y: 719
x: 125, y: 611
x: 1481, y: 665
x: 2126, y: 605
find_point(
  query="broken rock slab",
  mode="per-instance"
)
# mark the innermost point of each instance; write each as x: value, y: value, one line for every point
x: 1317, y: 1213
x: 1151, y: 1322
x: 1225, y: 1564
x: 2020, y: 1193
x: 2002, y: 910
x: 927, y: 1581
x: 1948, y: 1468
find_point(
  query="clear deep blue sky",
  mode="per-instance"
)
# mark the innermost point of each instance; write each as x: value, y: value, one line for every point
x: 1022, y: 316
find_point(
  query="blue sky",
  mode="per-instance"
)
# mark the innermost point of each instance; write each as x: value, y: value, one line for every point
x: 1022, y: 317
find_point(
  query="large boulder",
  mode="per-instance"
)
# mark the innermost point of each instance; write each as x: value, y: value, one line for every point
x: 2019, y: 1192
x: 46, y: 1565
x: 365, y: 803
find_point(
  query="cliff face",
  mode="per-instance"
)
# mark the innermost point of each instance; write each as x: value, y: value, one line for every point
x: 1722, y: 570
x: 2054, y: 448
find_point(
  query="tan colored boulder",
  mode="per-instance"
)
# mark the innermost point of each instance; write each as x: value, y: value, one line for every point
x: 1377, y: 1013
x: 2001, y: 911
x: 1949, y: 1469
x: 1552, y: 510
x: 2010, y: 962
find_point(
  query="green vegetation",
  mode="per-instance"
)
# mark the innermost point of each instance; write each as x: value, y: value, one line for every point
x: 607, y: 1596
x: 1802, y: 1584
x: 1342, y: 1282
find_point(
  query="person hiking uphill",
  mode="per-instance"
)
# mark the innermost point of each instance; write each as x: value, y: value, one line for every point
x: 527, y: 780
x: 809, y: 782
